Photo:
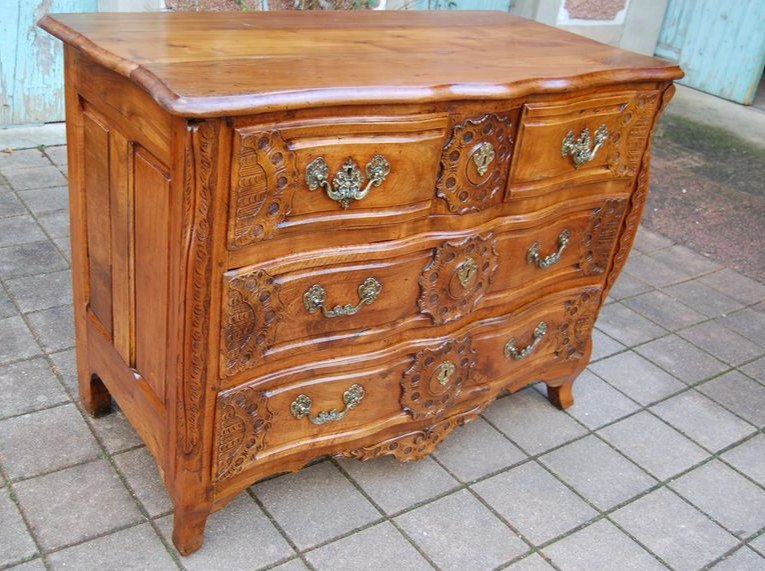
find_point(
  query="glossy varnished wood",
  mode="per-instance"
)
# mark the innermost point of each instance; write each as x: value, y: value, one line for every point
x: 196, y: 237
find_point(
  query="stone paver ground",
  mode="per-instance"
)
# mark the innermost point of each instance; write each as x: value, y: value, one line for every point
x: 659, y: 464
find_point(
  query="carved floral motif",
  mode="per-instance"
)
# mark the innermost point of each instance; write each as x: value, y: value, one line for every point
x: 457, y: 277
x: 573, y: 332
x: 434, y: 381
x: 627, y: 144
x: 601, y: 233
x: 251, y: 312
x: 474, y: 163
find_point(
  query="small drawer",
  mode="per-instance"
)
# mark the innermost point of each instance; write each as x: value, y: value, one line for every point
x: 601, y: 137
x: 345, y: 172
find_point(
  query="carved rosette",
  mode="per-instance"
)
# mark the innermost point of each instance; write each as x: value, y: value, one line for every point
x: 243, y: 419
x: 251, y: 313
x: 475, y: 162
x: 457, y: 277
x: 573, y: 332
x: 601, y: 233
x: 434, y: 381
x: 627, y: 144
x: 262, y: 187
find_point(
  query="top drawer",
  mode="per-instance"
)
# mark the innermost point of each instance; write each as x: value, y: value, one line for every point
x: 344, y: 172
x: 583, y: 138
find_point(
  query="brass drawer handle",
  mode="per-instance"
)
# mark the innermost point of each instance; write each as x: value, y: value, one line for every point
x: 315, y: 297
x: 579, y: 149
x: 347, y: 182
x: 301, y: 406
x: 512, y: 351
x: 535, y: 257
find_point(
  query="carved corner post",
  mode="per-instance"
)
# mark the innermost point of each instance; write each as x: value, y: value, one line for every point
x: 94, y: 395
x: 202, y: 148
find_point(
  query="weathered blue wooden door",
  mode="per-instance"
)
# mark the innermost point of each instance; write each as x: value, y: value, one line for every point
x: 503, y: 5
x: 720, y: 44
x: 31, y: 62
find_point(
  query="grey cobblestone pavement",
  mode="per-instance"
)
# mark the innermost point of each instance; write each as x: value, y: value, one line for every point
x: 659, y: 464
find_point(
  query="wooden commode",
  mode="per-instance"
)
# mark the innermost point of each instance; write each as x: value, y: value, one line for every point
x: 339, y: 233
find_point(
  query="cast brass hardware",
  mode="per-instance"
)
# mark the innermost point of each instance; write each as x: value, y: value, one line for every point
x: 483, y: 155
x: 347, y: 182
x: 444, y: 372
x: 534, y: 257
x: 467, y: 271
x: 301, y: 406
x: 579, y: 149
x: 315, y: 297
x: 512, y: 351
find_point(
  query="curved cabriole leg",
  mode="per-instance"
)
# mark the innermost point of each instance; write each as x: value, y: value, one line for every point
x: 94, y: 395
x: 562, y: 395
x: 189, y: 528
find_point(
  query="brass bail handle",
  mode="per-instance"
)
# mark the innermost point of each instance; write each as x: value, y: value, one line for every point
x: 301, y: 406
x: 580, y: 148
x: 347, y: 183
x: 511, y: 351
x: 314, y: 299
x: 533, y: 256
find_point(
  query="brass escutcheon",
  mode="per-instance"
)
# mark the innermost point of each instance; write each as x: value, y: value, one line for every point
x: 444, y: 372
x: 467, y: 271
x: 483, y: 155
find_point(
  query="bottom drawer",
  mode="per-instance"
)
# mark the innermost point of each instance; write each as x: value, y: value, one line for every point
x: 322, y: 407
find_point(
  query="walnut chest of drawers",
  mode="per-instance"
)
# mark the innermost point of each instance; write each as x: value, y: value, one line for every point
x: 308, y: 234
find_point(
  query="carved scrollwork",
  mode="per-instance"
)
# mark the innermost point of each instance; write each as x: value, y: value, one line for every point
x: 627, y: 145
x: 574, y: 330
x: 251, y: 314
x: 243, y: 420
x: 434, y: 381
x: 474, y: 163
x: 601, y: 233
x: 457, y: 277
x: 263, y: 182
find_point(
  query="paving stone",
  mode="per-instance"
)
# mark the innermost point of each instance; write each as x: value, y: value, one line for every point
x: 301, y: 503
x: 682, y: 359
x: 533, y: 562
x: 597, y: 403
x: 476, y: 450
x: 686, y: 260
x: 34, y: 177
x: 136, y: 548
x: 647, y: 241
x: 57, y: 154
x: 7, y: 309
x: 29, y: 259
x: 115, y: 432
x: 654, y: 446
x: 703, y: 420
x: 19, y: 230
x: 704, y: 299
x: 726, y: 496
x: 675, y: 531
x: 755, y: 369
x: 749, y: 458
x: 55, y: 223
x: 23, y: 159
x: 76, y: 504
x: 10, y: 206
x: 758, y: 544
x: 458, y: 532
x: 597, y: 472
x: 33, y: 293
x: 737, y: 286
x: 627, y: 326
x: 637, y: 377
x: 653, y: 271
x: 239, y: 537
x: 747, y: 322
x: 534, y: 502
x: 603, y: 346
x: 395, y: 486
x: 27, y: 386
x: 739, y: 394
x: 54, y: 327
x: 33, y: 565
x: 293, y: 565
x: 744, y: 559
x: 140, y: 470
x: 378, y: 548
x: 532, y: 422
x: 600, y: 545
x: 65, y: 365
x: 721, y: 342
x: 44, y: 441
x: 628, y: 285
x: 15, y: 542
x: 664, y: 310
x: 65, y: 246
x: 44, y: 200
x: 16, y: 341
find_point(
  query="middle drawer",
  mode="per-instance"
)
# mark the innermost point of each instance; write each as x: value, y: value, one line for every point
x: 319, y: 301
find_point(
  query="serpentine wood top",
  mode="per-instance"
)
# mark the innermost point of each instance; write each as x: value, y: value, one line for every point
x: 214, y: 64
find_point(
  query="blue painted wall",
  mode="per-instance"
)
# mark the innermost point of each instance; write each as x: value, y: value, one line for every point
x: 31, y: 62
